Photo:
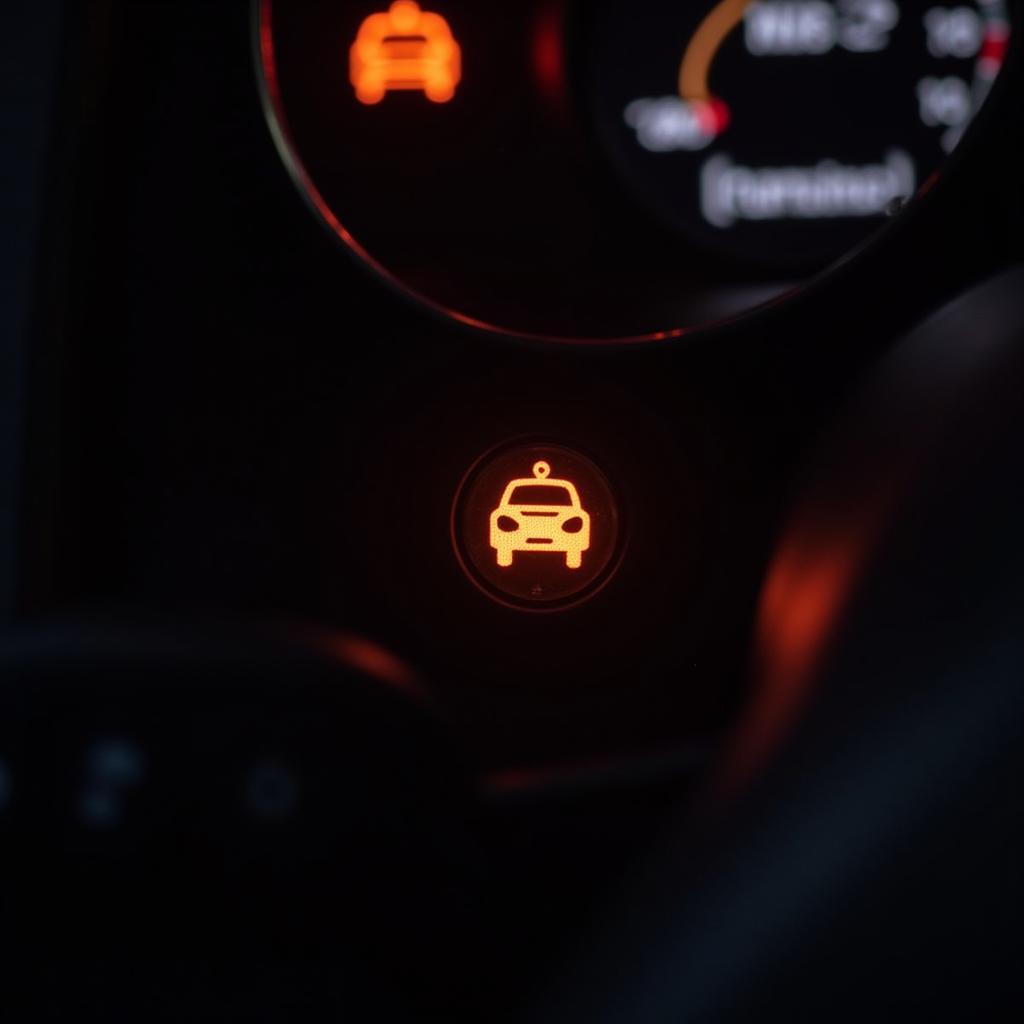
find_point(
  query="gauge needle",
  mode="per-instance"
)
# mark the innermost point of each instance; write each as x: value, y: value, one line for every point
x: 701, y: 51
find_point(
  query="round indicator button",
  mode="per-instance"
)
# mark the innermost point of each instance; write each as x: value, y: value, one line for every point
x: 536, y: 526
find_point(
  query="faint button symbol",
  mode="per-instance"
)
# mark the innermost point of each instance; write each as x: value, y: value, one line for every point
x: 111, y: 768
x: 271, y: 791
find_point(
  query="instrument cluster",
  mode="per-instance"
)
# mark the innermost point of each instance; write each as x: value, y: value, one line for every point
x: 612, y: 170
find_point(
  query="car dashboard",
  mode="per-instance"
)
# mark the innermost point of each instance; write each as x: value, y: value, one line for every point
x: 513, y: 510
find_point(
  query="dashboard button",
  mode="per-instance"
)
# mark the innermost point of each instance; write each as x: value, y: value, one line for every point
x: 537, y: 526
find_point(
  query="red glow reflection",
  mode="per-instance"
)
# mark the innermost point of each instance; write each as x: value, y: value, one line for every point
x: 549, y: 52
x: 376, y: 662
x: 808, y: 587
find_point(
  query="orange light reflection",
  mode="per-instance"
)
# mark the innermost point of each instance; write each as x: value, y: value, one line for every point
x: 405, y: 49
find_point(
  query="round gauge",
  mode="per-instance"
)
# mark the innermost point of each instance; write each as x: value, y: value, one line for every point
x: 611, y: 170
x: 781, y: 131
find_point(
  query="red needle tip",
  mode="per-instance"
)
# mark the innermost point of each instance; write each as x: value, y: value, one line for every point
x: 714, y: 116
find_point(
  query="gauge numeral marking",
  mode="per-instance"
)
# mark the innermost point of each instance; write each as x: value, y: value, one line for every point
x: 791, y: 28
x: 944, y: 101
x: 953, y: 32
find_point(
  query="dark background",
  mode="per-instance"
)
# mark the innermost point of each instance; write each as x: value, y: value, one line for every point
x: 242, y: 411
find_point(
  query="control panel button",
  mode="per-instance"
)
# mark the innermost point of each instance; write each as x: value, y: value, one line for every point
x: 537, y: 526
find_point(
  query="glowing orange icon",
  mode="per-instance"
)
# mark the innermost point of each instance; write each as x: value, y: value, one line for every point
x: 540, y: 514
x: 406, y: 48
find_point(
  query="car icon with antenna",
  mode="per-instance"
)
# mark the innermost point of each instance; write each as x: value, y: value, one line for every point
x: 540, y: 513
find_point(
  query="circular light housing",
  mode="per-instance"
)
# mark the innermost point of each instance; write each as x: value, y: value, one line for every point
x: 536, y: 526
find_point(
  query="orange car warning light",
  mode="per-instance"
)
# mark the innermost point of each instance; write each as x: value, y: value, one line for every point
x: 535, y: 525
x: 405, y: 48
x: 540, y: 514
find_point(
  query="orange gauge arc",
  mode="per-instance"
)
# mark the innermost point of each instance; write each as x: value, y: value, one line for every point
x: 704, y: 45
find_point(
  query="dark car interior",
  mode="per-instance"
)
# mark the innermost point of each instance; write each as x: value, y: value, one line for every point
x: 512, y: 512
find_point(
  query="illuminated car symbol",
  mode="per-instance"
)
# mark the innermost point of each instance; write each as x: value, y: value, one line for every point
x: 540, y: 514
x: 408, y: 49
